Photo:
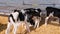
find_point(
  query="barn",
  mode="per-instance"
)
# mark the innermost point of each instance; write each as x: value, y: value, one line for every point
x: 53, y: 26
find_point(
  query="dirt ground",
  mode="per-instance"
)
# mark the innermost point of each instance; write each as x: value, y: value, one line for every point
x: 49, y: 29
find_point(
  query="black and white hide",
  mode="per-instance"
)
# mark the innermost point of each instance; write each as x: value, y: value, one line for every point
x: 12, y: 20
x: 33, y: 16
x: 52, y: 12
x: 15, y: 19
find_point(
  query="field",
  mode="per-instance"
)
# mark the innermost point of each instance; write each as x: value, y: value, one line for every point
x: 49, y: 29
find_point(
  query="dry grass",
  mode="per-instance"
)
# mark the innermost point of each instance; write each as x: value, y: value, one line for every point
x: 49, y: 29
x: 3, y: 19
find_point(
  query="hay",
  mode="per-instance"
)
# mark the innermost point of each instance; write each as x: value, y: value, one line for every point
x: 49, y: 29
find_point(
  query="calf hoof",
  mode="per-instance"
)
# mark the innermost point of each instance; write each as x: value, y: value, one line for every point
x: 45, y: 24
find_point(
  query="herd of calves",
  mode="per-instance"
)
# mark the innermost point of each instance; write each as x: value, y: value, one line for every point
x: 31, y: 17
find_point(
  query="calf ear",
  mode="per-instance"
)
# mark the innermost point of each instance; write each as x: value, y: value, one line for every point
x: 39, y: 9
x: 15, y: 10
x: 40, y: 13
x: 18, y: 10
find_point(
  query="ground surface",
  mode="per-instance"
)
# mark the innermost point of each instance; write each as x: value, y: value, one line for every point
x: 49, y: 29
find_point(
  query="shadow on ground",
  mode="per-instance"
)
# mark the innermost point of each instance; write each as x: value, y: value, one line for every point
x: 3, y: 27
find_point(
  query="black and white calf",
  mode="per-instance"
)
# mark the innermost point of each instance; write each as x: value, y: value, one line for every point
x: 29, y: 15
x: 36, y: 17
x: 33, y: 16
x: 51, y: 12
x: 14, y: 19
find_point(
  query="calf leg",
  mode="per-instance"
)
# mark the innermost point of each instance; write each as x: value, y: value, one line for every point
x: 59, y: 20
x: 38, y: 22
x: 16, y: 25
x: 46, y: 20
x: 15, y: 28
x: 27, y: 26
x: 8, y: 28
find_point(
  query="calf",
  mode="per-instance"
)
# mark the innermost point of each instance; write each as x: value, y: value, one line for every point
x: 51, y: 12
x: 12, y: 20
x: 33, y: 16
x: 36, y: 17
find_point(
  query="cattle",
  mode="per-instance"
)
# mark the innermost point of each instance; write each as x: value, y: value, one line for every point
x: 14, y: 19
x: 28, y: 15
x: 33, y: 16
x: 52, y: 12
